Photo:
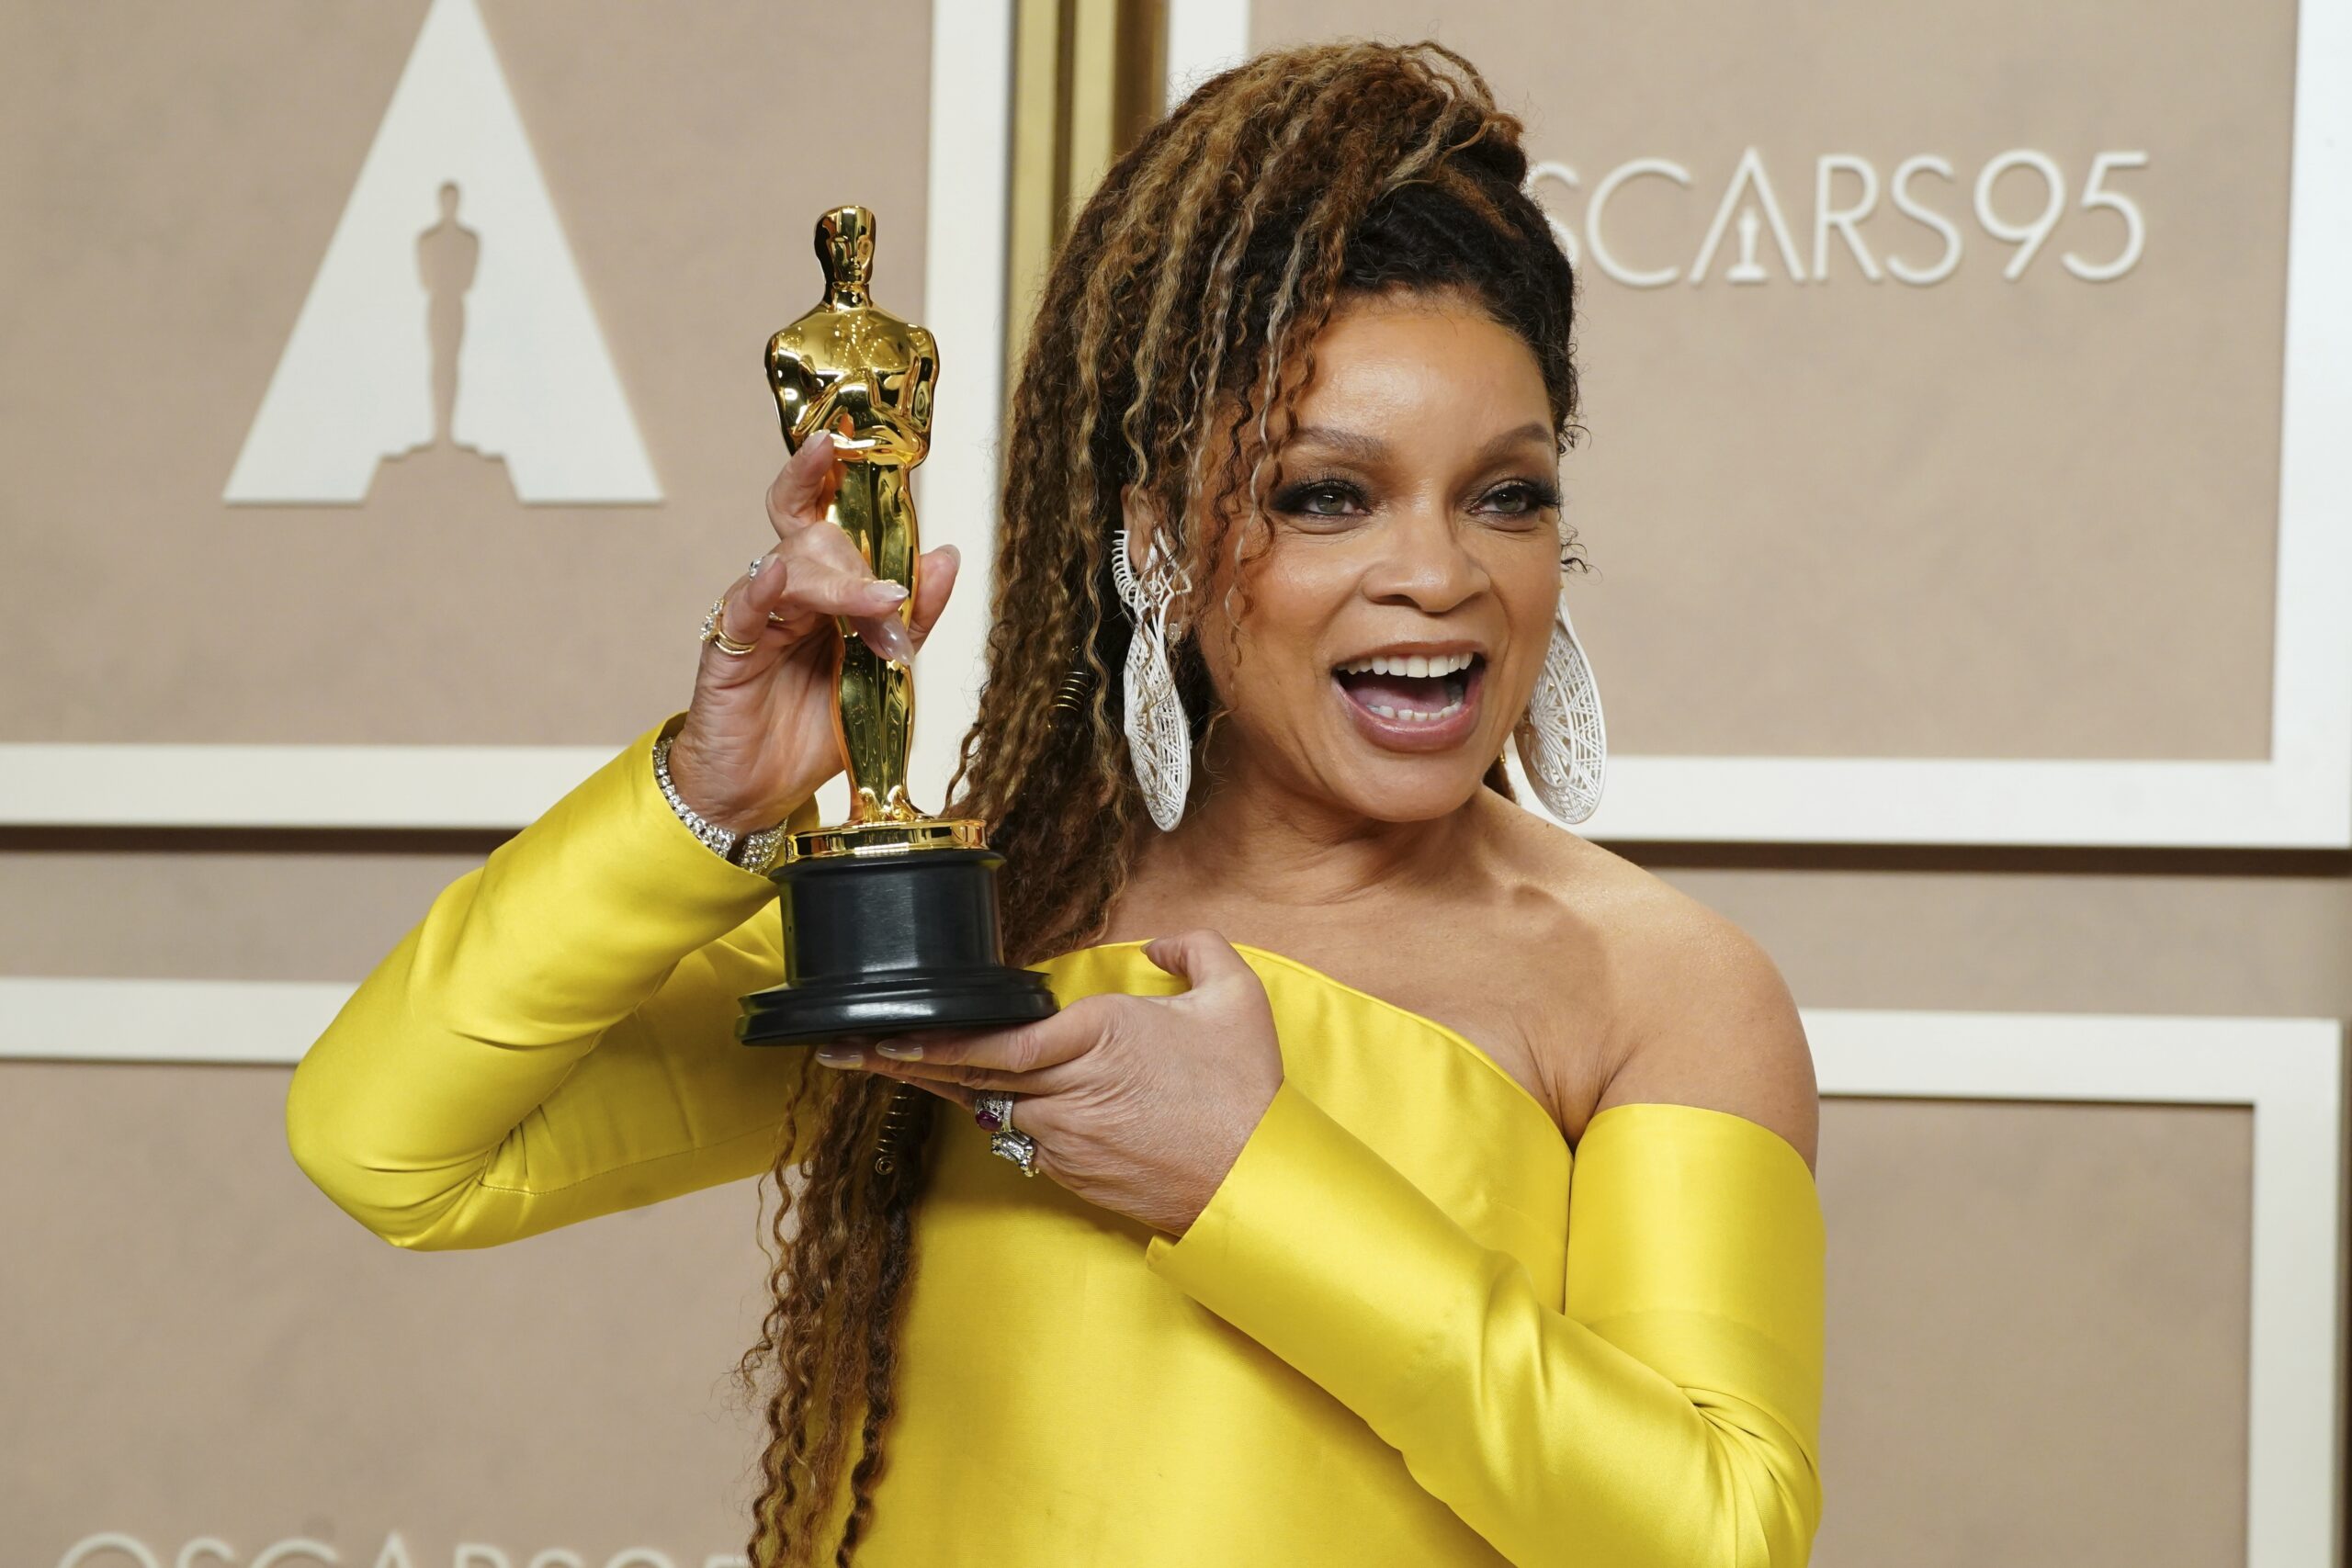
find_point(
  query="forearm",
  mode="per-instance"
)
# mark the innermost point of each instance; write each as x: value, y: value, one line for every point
x: 1627, y: 1430
x: 555, y: 1038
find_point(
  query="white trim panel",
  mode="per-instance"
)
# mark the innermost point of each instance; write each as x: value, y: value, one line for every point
x: 240, y: 1023
x: 964, y: 288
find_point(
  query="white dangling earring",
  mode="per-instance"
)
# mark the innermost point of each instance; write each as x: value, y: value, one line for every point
x: 1561, y: 742
x: 1160, y: 736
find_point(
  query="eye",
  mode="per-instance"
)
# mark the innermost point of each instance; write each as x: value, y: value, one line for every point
x: 1520, y: 498
x: 1320, y: 498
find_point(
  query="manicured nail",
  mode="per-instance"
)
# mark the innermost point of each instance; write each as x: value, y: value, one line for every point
x: 890, y: 640
x: 840, y: 1056
x: 886, y: 592
x: 901, y: 1050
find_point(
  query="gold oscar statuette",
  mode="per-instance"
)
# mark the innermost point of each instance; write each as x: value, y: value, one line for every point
x: 889, y: 917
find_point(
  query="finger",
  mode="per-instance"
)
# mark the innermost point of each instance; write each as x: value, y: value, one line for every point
x: 747, y: 602
x: 951, y: 1081
x: 972, y: 1080
x: 933, y: 583
x: 763, y: 586
x: 1197, y: 957
x: 798, y: 493
x: 1026, y: 1048
x: 827, y: 575
x: 767, y: 598
x: 886, y: 635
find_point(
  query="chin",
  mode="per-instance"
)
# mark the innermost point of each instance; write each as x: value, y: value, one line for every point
x: 1414, y: 795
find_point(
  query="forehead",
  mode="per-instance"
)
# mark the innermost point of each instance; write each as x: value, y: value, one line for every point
x: 1421, y: 357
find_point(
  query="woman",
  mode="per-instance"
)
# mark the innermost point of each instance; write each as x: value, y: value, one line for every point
x: 1310, y: 1282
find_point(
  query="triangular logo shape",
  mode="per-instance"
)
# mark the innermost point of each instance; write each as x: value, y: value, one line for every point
x: 536, y: 384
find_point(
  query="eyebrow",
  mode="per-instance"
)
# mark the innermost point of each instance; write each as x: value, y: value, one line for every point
x: 1368, y: 447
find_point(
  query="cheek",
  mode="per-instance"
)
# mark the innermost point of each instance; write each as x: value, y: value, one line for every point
x: 1267, y: 673
x: 1532, y: 599
x: 1275, y: 654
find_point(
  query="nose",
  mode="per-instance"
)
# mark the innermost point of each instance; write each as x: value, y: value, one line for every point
x: 1422, y: 564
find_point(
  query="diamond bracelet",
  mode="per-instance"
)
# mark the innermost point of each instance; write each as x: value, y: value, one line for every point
x: 752, y: 852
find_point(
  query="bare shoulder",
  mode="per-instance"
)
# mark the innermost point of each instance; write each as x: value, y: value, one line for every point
x: 1696, y: 1011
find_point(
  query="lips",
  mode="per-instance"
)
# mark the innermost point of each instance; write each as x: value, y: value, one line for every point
x: 1413, y: 702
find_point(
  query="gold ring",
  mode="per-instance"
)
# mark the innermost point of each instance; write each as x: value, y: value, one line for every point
x: 712, y: 631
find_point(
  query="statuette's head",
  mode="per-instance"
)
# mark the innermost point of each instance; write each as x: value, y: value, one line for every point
x: 845, y: 248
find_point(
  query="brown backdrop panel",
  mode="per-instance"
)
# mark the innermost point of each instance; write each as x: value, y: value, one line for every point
x: 203, y: 1346
x: 2038, y: 1334
x: 1975, y: 518
x: 171, y: 177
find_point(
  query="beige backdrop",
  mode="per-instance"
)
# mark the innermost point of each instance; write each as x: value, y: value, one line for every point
x: 172, y: 174
x: 1977, y: 519
x: 206, y: 1347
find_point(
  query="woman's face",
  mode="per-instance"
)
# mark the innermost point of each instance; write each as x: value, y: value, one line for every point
x: 1394, y: 626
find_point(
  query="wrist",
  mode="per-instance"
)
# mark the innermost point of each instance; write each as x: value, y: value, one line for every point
x: 687, y: 786
x: 755, y: 851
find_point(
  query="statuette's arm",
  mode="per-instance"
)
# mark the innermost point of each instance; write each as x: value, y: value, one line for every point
x: 866, y: 424
x: 795, y: 384
x: 925, y: 376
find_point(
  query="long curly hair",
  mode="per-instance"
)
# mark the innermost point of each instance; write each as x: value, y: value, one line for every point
x: 1171, y: 342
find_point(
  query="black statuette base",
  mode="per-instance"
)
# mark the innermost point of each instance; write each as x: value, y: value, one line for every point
x: 887, y: 944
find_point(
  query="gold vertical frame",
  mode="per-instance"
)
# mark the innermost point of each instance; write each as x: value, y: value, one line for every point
x: 1088, y: 80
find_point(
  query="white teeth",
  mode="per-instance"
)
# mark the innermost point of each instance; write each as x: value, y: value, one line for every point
x: 1415, y: 715
x: 1423, y: 665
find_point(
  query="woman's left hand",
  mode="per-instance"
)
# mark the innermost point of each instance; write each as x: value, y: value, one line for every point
x: 1139, y: 1104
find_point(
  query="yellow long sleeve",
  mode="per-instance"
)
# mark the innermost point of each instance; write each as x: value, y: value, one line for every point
x: 555, y: 1039
x: 1666, y: 1414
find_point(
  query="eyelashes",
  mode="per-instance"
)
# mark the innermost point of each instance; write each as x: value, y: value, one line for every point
x: 1541, y: 496
x: 1337, y: 498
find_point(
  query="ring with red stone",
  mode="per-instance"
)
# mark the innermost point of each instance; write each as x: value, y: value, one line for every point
x: 992, y: 1109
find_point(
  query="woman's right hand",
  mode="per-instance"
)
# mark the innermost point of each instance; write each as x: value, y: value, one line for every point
x: 758, y: 736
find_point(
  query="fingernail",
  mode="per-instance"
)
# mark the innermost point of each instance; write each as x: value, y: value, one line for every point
x: 840, y: 1056
x: 901, y: 1050
x: 886, y: 592
x: 821, y: 439
x: 890, y: 640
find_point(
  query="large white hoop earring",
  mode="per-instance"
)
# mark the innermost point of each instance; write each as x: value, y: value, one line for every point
x: 1160, y: 736
x: 1561, y: 742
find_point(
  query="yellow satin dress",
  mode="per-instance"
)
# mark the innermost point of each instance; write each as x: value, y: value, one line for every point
x: 1398, y: 1335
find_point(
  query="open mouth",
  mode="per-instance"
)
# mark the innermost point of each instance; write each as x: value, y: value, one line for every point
x: 1408, y: 689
